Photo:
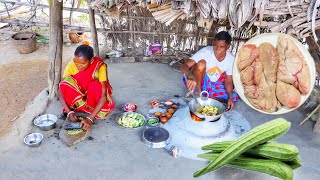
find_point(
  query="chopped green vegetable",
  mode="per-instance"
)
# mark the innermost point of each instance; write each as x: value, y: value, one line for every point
x: 131, y: 120
x: 152, y: 121
x: 74, y: 131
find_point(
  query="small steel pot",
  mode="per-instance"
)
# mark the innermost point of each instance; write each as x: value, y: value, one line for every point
x: 152, y: 125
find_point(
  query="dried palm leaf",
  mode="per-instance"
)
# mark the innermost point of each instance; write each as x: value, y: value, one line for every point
x: 161, y: 12
x: 173, y: 18
x: 232, y: 13
x: 313, y: 20
x: 244, y: 11
x: 310, y: 9
x: 183, y: 17
x: 286, y: 23
x: 222, y: 10
x: 166, y: 6
x: 203, y: 8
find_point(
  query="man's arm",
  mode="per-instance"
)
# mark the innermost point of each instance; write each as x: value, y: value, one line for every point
x: 185, y: 68
x: 229, y: 88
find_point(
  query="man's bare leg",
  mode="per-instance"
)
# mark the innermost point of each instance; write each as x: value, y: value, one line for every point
x: 198, y: 72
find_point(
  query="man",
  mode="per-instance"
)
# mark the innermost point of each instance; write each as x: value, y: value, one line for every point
x: 210, y: 69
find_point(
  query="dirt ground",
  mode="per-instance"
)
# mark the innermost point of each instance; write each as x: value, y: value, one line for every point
x: 22, y: 77
x: 20, y: 83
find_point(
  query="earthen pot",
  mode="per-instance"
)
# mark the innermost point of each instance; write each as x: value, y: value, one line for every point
x: 163, y: 119
x: 76, y: 36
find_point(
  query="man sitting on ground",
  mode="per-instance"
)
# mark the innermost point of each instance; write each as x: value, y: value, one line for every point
x: 210, y: 69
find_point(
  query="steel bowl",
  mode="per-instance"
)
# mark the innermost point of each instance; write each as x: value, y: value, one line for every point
x: 33, y: 139
x: 129, y: 107
x: 45, y: 122
x: 125, y: 114
x: 208, y: 102
x: 155, y: 124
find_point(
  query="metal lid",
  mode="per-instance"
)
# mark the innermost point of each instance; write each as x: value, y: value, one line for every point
x: 155, y: 137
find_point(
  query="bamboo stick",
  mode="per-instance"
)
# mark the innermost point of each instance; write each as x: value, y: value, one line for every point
x: 173, y: 18
x: 7, y: 9
x: 150, y: 6
x: 167, y: 17
x: 161, y: 38
x: 159, y: 17
x: 160, y: 8
x: 71, y: 11
x: 93, y: 30
x: 266, y: 24
x: 87, y: 29
x: 161, y: 12
x: 21, y: 10
x: 309, y: 116
x: 183, y: 16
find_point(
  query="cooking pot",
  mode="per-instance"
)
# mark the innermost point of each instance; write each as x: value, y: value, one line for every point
x: 206, y: 102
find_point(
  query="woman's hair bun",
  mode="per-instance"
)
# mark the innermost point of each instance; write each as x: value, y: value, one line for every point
x: 86, y: 43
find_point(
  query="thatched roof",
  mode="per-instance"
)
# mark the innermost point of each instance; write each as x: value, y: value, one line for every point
x: 296, y: 17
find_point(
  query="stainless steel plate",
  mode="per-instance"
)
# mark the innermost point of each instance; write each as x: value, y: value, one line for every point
x: 156, y: 137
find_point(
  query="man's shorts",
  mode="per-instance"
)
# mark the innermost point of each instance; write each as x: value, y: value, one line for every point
x: 215, y: 89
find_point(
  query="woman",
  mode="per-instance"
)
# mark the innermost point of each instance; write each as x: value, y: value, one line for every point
x: 86, y: 87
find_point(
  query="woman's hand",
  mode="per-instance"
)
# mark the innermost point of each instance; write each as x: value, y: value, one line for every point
x: 72, y: 117
x: 86, y: 123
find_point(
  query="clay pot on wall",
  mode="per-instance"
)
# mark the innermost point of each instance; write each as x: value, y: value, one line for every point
x: 76, y: 36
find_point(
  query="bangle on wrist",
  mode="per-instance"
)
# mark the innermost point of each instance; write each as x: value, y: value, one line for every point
x: 70, y: 112
x: 90, y: 119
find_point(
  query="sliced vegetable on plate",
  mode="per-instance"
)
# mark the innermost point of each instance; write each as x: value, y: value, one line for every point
x: 131, y: 120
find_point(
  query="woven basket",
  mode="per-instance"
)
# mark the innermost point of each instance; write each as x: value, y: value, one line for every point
x: 25, y: 42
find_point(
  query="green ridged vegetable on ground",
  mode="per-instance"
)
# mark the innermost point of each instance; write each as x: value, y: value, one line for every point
x: 271, y: 150
x: 256, y: 136
x: 294, y: 163
x: 268, y: 166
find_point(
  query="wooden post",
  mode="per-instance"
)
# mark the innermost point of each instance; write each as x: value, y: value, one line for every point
x: 93, y: 29
x: 133, y: 36
x: 71, y: 11
x: 161, y: 38
x: 55, y: 48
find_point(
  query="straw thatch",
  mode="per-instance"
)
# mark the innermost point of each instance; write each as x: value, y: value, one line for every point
x: 245, y: 18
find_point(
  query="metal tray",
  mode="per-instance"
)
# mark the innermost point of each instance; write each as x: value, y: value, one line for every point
x: 156, y: 137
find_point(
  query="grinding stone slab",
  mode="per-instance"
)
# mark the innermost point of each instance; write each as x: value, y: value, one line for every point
x: 71, y: 140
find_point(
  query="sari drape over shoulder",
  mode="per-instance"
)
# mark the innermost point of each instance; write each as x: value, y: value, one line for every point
x: 82, y: 91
